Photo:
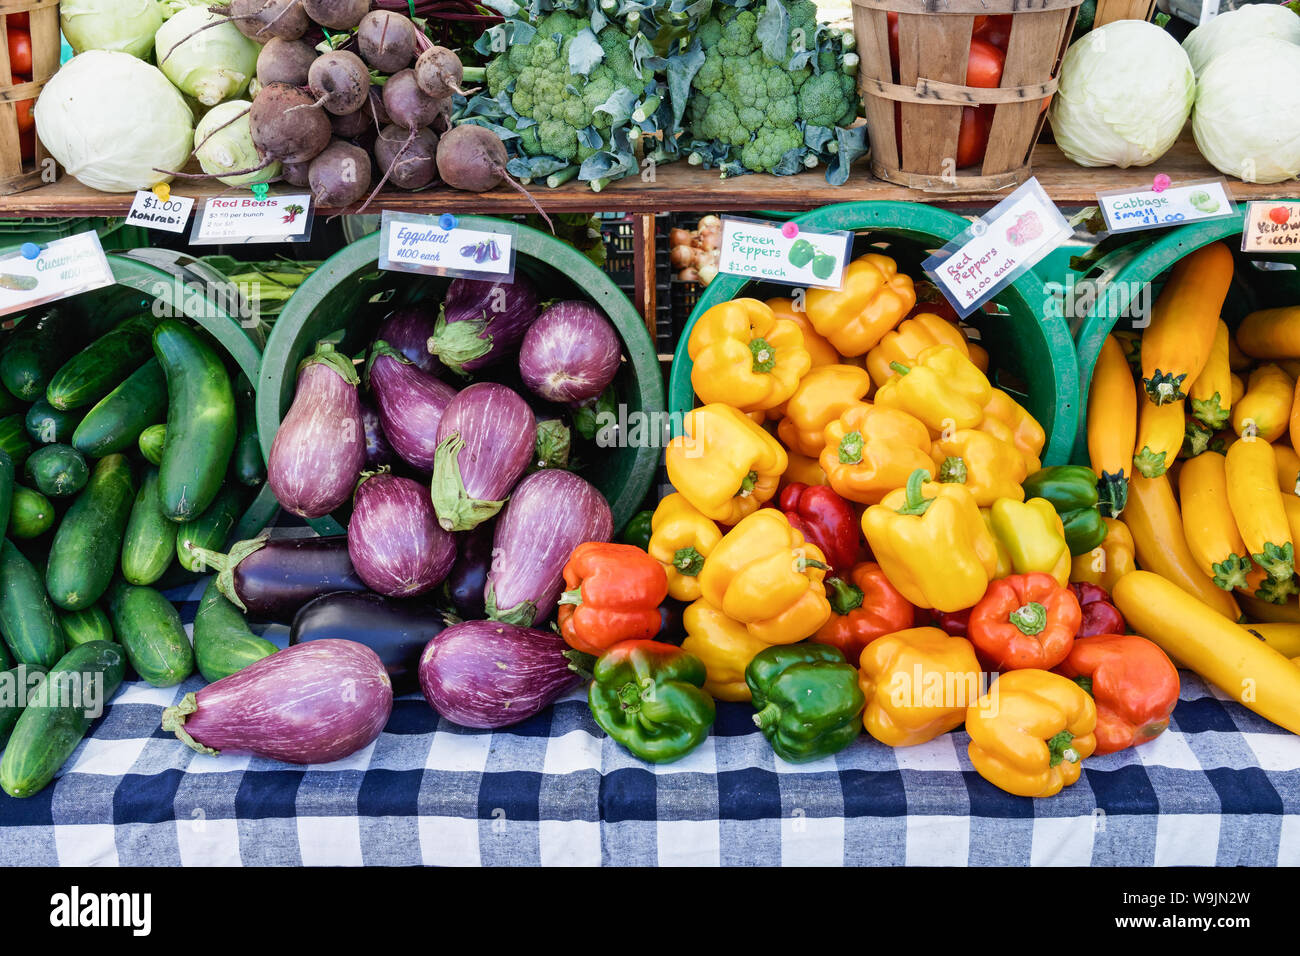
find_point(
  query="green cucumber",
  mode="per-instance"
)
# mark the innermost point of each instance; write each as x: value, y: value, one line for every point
x: 14, y: 440
x: 200, y: 420
x: 98, y: 368
x: 210, y: 529
x: 47, y: 425
x: 149, y: 545
x: 57, y: 470
x: 30, y: 626
x: 31, y: 514
x: 15, y: 686
x: 150, y: 629
x: 247, y: 464
x: 115, y: 423
x: 151, y: 443
x: 34, y: 353
x: 6, y: 491
x: 88, y: 624
x: 88, y: 542
x: 223, y: 644
x: 74, y: 692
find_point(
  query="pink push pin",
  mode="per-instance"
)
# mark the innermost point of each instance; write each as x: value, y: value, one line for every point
x: 789, y: 230
x: 1161, y: 183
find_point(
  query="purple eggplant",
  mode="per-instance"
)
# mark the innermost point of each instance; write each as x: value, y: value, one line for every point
x: 395, y: 630
x: 468, y: 578
x: 269, y: 579
x: 485, y: 441
x: 550, y: 513
x: 482, y: 321
x: 407, y: 330
x: 312, y: 703
x: 394, y: 539
x: 410, y: 402
x: 489, y: 674
x: 319, y: 449
x: 378, y: 451
x: 570, y: 354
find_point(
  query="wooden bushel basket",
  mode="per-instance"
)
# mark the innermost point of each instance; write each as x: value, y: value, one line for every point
x: 1108, y: 11
x: 934, y: 44
x: 15, y: 174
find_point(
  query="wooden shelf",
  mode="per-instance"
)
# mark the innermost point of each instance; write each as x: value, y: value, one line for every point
x: 686, y: 188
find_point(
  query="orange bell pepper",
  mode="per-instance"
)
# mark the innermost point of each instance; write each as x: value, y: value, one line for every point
x: 1133, y: 682
x: 864, y: 606
x: 1025, y: 620
x: 612, y: 594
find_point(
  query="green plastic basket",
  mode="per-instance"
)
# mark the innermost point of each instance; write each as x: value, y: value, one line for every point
x: 345, y: 298
x: 1030, y: 349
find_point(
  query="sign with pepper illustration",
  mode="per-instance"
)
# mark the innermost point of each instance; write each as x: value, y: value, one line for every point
x: 785, y: 253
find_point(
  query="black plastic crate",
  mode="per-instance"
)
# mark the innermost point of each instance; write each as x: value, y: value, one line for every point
x: 619, y: 234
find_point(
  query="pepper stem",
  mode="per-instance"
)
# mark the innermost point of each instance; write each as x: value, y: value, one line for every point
x: 1030, y: 618
x: 843, y: 596
x: 747, y: 485
x: 764, y: 355
x: 688, y: 562
x: 915, y: 503
x: 952, y: 471
x: 767, y: 716
x: 1085, y: 683
x: 850, y: 450
x: 571, y: 597
x: 1060, y: 749
x: 899, y: 367
x: 629, y: 697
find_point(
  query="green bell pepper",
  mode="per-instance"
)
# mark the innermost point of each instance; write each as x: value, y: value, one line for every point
x: 638, y: 530
x: 808, y: 699
x: 647, y: 696
x: 1072, y: 490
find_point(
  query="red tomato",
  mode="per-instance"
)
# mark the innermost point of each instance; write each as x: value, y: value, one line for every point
x: 20, y: 51
x: 26, y: 122
x: 27, y: 144
x: 978, y: 25
x: 17, y: 20
x: 893, y: 43
x: 973, y: 135
x: 984, y: 67
x: 997, y: 31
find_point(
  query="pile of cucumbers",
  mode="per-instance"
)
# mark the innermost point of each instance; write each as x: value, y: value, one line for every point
x: 124, y: 442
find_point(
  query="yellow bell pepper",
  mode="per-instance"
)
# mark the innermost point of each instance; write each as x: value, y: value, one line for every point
x: 912, y: 337
x: 918, y: 684
x: 870, y: 451
x: 819, y: 349
x: 1109, y: 561
x: 725, y: 648
x: 1265, y: 410
x: 723, y: 463
x: 989, y: 467
x: 745, y: 356
x: 764, y: 575
x: 1033, y: 535
x: 979, y: 356
x: 1004, y: 565
x: 1031, y: 732
x: 941, y: 388
x: 821, y: 397
x: 1003, y: 413
x: 874, y: 298
x: 680, y: 539
x: 932, y: 543
x: 804, y: 470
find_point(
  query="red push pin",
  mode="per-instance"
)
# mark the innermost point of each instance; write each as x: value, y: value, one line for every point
x: 1161, y: 183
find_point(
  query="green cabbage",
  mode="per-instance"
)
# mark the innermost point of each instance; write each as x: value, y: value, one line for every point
x: 127, y: 26
x: 1239, y: 27
x: 211, y: 65
x: 230, y: 147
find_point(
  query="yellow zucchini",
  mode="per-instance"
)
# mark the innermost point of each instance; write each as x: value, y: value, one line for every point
x: 1283, y: 638
x: 1265, y: 409
x: 1211, y: 533
x: 1112, y: 426
x: 1271, y: 333
x: 1177, y: 343
x: 1211, y: 394
x: 1256, y: 501
x: 1288, y: 468
x: 1159, y: 437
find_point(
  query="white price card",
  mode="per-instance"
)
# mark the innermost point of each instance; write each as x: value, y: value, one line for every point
x: 998, y: 248
x: 237, y: 219
x: 785, y: 253
x: 153, y: 212
x: 1272, y: 226
x: 36, y: 274
x: 444, y: 246
x: 1152, y: 208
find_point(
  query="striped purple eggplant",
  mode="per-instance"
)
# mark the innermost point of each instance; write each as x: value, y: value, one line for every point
x: 485, y: 442
x: 482, y: 321
x: 394, y: 539
x: 570, y: 354
x: 489, y: 674
x: 378, y: 451
x: 319, y: 448
x: 550, y: 513
x: 407, y: 330
x: 410, y: 404
x: 310, y: 703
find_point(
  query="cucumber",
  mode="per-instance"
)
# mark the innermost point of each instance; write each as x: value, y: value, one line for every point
x: 200, y: 421
x: 210, y: 529
x: 149, y: 545
x: 88, y: 624
x: 30, y: 626
x: 15, y: 684
x: 57, y: 470
x: 6, y: 491
x: 94, y: 371
x: 116, y: 422
x: 151, y: 443
x: 47, y: 425
x: 14, y: 440
x: 246, y: 464
x: 88, y: 542
x: 31, y: 514
x: 75, y: 690
x: 34, y: 353
x: 150, y: 630
x: 223, y: 644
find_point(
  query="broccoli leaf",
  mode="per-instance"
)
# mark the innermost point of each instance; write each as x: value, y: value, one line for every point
x: 773, y: 31
x: 852, y: 144
x: 681, y: 70
x: 816, y: 137
x: 619, y: 107
x: 507, y: 8
x: 791, y: 162
x: 534, y: 167
x: 590, y: 137
x: 585, y: 53
x: 503, y: 134
x: 499, y: 38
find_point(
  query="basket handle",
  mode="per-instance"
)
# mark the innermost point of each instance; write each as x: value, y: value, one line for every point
x: 939, y: 93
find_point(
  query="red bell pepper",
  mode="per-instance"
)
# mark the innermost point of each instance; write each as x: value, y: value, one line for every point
x: 612, y: 594
x: 952, y: 623
x: 1100, y: 616
x: 865, y: 606
x: 1133, y: 682
x: 825, y: 519
x: 1025, y: 620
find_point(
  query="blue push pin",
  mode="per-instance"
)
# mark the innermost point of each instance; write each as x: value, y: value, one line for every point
x: 31, y: 250
x: 447, y: 221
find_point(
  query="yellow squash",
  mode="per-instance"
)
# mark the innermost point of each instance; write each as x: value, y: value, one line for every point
x: 1283, y: 638
x: 1265, y: 410
x: 1211, y: 532
x: 1112, y: 425
x: 1159, y: 438
x: 1288, y: 468
x: 1271, y: 333
x: 1256, y: 501
x: 1211, y: 394
x: 1177, y: 343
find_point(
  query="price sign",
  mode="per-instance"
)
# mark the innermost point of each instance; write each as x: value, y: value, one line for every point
x: 152, y: 211
x: 244, y: 219
x: 1128, y: 209
x: 441, y: 245
x: 1272, y: 226
x: 998, y: 248
x: 785, y: 253
x: 34, y: 274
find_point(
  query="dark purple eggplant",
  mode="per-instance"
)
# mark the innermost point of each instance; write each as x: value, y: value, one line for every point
x: 489, y: 674
x: 312, y: 703
x: 319, y: 449
x: 570, y: 354
x: 486, y: 440
x: 410, y: 404
x: 550, y: 513
x: 378, y: 451
x: 468, y: 578
x: 482, y: 321
x: 395, y: 630
x: 394, y: 539
x: 270, y: 579
x: 407, y: 330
